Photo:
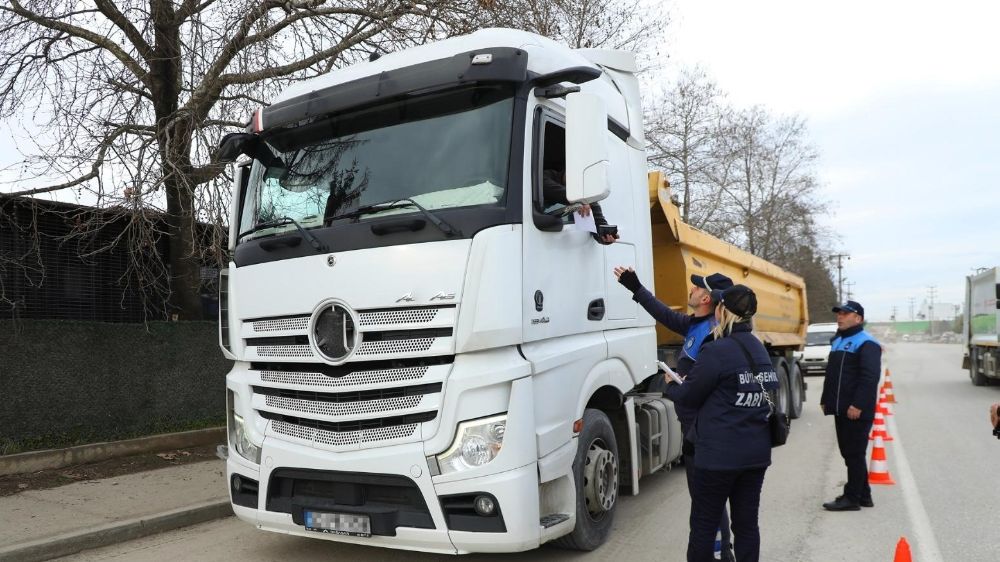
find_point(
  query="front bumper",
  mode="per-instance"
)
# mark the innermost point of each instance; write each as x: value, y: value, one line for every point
x: 516, y: 493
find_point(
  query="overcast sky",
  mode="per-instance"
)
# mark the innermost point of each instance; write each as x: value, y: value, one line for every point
x: 903, y: 102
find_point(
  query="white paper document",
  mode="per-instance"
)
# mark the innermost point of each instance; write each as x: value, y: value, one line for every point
x: 585, y: 222
x: 670, y: 372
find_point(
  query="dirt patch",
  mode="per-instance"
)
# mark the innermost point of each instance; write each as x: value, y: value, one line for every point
x: 43, y: 479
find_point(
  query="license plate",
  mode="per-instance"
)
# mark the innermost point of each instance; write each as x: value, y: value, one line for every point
x: 348, y: 524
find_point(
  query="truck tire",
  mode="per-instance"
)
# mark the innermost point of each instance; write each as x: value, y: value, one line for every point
x: 978, y: 379
x: 784, y: 389
x: 796, y: 391
x: 595, y: 470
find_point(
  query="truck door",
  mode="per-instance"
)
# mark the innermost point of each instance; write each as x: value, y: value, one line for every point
x: 566, y: 272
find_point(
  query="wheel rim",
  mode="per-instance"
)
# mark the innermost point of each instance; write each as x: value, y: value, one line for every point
x: 600, y: 479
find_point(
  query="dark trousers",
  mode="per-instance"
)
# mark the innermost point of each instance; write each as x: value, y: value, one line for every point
x: 709, y: 491
x: 727, y: 538
x: 852, y: 438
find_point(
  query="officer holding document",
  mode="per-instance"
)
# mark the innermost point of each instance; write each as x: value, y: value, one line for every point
x: 696, y: 329
x: 728, y: 387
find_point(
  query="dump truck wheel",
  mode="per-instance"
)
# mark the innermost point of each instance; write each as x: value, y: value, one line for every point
x: 796, y: 392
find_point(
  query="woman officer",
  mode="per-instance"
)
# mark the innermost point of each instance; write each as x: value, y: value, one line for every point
x: 732, y: 442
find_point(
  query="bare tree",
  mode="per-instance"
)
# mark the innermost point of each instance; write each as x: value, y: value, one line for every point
x: 772, y: 199
x: 151, y: 87
x: 744, y: 175
x: 683, y: 131
x: 132, y: 96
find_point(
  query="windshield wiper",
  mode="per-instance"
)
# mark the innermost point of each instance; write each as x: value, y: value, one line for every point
x: 313, y: 241
x: 443, y: 226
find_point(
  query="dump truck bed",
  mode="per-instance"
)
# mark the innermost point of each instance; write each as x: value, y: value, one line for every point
x: 681, y: 250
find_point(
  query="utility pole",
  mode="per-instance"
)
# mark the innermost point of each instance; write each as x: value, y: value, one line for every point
x: 911, y: 308
x: 840, y: 276
x: 850, y: 292
x: 930, y: 307
x: 893, y: 318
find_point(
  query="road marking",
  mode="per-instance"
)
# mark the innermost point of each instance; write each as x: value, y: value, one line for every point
x: 926, y: 545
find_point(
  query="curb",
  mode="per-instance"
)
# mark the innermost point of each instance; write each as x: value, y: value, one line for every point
x: 116, y: 532
x: 95, y: 452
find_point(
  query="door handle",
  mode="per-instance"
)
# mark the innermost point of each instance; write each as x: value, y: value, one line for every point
x: 595, y: 310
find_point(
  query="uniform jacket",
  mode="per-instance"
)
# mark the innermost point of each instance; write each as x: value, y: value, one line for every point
x: 852, y: 373
x: 696, y: 331
x: 731, y: 428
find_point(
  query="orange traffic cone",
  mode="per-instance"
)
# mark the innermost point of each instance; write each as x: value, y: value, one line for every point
x: 879, y: 428
x: 902, y: 551
x: 878, y: 468
x: 890, y: 397
x: 886, y: 406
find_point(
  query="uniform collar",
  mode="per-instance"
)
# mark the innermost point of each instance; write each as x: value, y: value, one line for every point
x: 742, y: 327
x: 851, y: 331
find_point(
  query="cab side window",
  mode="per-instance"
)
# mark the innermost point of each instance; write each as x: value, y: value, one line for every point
x: 550, y: 175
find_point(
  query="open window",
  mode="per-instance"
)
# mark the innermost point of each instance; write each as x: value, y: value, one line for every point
x: 549, y: 186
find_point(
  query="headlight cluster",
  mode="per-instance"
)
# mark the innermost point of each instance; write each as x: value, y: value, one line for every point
x: 477, y: 442
x: 238, y: 437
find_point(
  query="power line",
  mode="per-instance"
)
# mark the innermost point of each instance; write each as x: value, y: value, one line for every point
x: 840, y: 276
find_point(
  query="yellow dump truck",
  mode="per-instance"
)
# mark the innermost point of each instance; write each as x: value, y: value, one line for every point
x: 681, y: 250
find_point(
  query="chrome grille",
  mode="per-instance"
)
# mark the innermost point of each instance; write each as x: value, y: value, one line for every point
x: 280, y: 324
x: 353, y: 379
x: 346, y: 437
x: 401, y: 316
x: 385, y: 347
x: 344, y: 408
x: 284, y: 351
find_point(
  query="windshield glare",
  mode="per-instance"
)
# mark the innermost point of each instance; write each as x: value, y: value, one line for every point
x: 445, y: 150
x: 819, y: 338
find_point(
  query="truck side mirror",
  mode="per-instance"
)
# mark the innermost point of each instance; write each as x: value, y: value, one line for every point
x: 234, y: 144
x: 588, y: 167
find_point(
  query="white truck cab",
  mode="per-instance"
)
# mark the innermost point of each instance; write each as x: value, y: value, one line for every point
x: 428, y: 354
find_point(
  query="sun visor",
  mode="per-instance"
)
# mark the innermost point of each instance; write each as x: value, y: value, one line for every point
x: 490, y: 65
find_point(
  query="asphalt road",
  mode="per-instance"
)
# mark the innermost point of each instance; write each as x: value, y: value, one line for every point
x: 945, y: 500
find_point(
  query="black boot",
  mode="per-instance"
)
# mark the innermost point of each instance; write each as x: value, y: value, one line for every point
x: 842, y: 503
x: 865, y: 502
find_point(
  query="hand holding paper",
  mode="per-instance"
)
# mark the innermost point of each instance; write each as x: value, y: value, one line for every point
x: 670, y: 373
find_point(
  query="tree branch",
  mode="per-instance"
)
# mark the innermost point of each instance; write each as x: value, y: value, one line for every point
x: 111, y: 12
x: 87, y: 35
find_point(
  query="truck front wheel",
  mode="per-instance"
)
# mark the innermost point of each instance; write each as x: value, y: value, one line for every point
x: 595, y: 470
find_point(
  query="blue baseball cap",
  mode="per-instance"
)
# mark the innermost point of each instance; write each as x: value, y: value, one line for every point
x: 713, y: 282
x: 851, y: 306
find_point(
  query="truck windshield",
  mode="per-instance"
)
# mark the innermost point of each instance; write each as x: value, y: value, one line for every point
x: 441, y: 150
x: 819, y: 338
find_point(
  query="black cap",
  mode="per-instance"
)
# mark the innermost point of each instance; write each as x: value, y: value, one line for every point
x: 712, y: 283
x: 738, y: 299
x: 851, y: 306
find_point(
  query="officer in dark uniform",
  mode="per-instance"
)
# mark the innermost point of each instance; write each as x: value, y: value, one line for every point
x: 695, y: 329
x: 850, y: 390
x: 729, y: 387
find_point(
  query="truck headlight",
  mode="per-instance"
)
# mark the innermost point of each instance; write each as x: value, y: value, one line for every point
x: 477, y: 442
x: 238, y: 437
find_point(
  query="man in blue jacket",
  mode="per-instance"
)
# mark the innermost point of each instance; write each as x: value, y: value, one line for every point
x: 695, y: 328
x: 850, y: 391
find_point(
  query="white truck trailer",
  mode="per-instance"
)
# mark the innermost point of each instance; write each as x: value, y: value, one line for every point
x: 981, y: 325
x: 427, y: 355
